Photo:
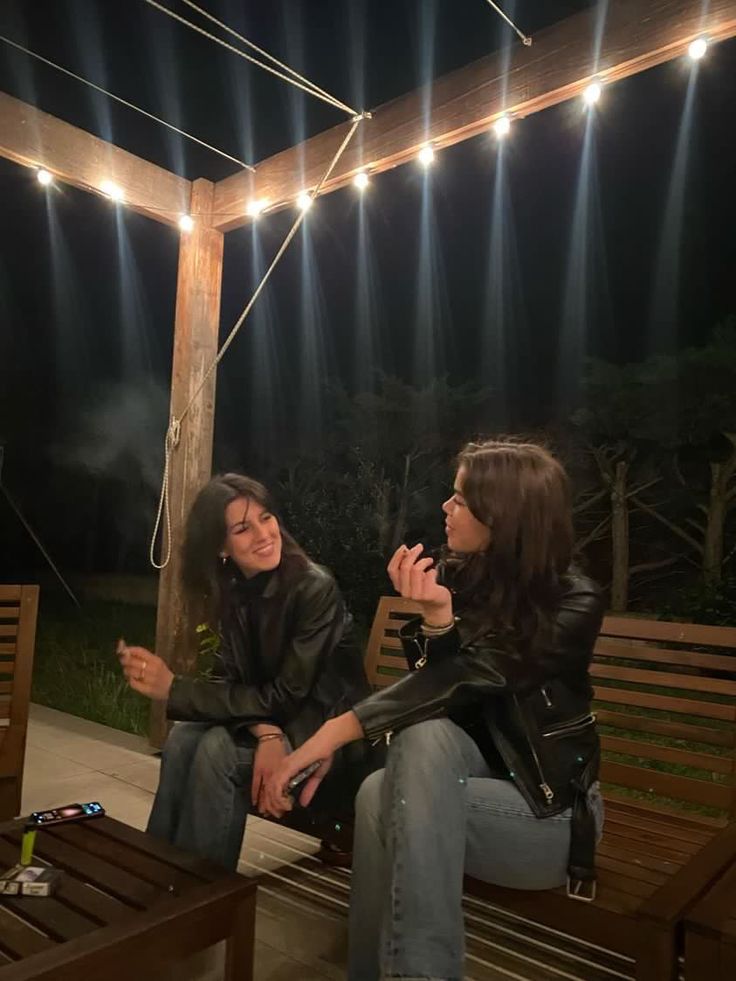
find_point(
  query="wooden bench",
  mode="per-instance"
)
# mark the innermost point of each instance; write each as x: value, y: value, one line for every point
x: 18, y: 609
x: 710, y: 933
x: 664, y: 698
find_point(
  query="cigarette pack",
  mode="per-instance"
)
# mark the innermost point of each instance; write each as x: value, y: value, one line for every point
x: 29, y: 880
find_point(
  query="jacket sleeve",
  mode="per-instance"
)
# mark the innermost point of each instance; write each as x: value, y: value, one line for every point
x: 456, y: 674
x: 316, y: 629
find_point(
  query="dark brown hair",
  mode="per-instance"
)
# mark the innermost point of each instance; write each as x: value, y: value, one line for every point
x: 203, y: 572
x: 522, y: 493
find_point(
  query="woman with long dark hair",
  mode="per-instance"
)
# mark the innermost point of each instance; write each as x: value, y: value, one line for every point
x: 493, y: 759
x: 287, y: 663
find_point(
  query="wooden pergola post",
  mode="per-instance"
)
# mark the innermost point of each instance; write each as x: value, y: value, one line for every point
x: 196, y: 328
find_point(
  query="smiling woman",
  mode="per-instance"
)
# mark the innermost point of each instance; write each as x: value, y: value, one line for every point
x: 287, y: 663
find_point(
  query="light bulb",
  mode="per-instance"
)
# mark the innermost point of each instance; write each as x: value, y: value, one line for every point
x: 44, y: 177
x: 304, y: 201
x: 186, y: 223
x: 502, y: 126
x: 113, y: 191
x: 256, y: 206
x: 592, y: 94
x: 426, y: 156
x: 698, y: 48
x: 361, y: 180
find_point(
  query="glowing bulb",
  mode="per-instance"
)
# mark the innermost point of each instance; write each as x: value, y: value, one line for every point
x: 426, y: 156
x: 113, y: 191
x: 698, y: 48
x: 502, y: 126
x: 186, y: 223
x: 592, y: 94
x: 304, y: 201
x: 44, y: 177
x: 361, y: 180
x: 256, y: 206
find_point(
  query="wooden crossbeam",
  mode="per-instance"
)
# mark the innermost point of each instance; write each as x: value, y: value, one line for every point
x: 36, y: 139
x: 638, y: 34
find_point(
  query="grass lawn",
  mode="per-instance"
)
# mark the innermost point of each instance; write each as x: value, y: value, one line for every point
x: 75, y: 668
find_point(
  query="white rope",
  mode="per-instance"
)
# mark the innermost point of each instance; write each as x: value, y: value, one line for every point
x: 309, y: 88
x: 244, y: 40
x: 124, y: 102
x: 174, y: 430
x: 524, y: 37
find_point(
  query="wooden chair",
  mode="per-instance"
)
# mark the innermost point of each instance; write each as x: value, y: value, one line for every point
x: 18, y: 609
x: 665, y: 705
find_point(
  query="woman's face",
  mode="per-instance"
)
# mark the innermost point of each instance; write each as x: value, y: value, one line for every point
x: 252, y: 537
x: 464, y: 532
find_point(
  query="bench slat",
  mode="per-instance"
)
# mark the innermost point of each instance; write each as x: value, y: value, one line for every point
x: 9, y: 612
x: 666, y: 703
x: 661, y: 727
x: 667, y: 784
x: 9, y: 594
x: 663, y: 630
x: 667, y: 754
x: 663, y: 679
x: 8, y: 629
x: 606, y: 647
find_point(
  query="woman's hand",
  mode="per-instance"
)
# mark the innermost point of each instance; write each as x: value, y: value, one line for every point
x: 321, y: 747
x: 146, y: 673
x: 415, y: 579
x: 270, y: 754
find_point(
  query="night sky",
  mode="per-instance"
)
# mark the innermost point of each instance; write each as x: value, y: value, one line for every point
x: 470, y: 271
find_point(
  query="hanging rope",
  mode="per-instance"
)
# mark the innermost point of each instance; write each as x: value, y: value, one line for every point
x: 174, y: 431
x: 310, y: 88
x: 124, y: 102
x: 524, y: 37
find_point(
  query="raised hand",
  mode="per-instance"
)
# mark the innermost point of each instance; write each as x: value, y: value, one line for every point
x: 416, y: 578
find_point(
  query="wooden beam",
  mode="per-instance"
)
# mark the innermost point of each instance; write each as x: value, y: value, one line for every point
x: 196, y: 327
x: 638, y: 34
x: 36, y: 139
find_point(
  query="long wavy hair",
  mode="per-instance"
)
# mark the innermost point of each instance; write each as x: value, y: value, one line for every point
x: 522, y: 493
x: 203, y: 573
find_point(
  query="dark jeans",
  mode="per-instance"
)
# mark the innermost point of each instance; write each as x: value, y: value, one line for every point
x: 203, y: 795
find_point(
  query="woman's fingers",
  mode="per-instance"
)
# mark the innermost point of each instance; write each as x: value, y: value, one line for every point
x: 395, y: 564
x: 312, y: 784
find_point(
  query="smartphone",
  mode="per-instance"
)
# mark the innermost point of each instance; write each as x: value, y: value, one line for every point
x: 296, y: 782
x: 71, y: 812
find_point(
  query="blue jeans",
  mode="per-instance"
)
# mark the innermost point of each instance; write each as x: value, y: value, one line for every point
x: 431, y: 815
x: 203, y: 795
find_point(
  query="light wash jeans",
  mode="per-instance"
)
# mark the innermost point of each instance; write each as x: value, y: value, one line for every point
x: 203, y: 795
x: 431, y: 815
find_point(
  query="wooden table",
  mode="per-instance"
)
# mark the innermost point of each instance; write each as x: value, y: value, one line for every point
x: 127, y: 905
x: 710, y: 933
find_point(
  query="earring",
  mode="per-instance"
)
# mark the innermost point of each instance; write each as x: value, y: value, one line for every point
x: 223, y: 559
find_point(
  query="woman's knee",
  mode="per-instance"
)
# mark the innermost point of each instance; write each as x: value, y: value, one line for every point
x: 368, y: 798
x: 216, y: 752
x: 428, y: 744
x: 182, y: 741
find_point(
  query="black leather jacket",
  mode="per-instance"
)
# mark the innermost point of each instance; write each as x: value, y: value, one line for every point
x: 288, y: 657
x: 536, y: 710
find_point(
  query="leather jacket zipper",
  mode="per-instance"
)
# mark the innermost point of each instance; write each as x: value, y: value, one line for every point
x: 422, y: 653
x: 545, y: 696
x: 549, y: 794
x: 565, y: 728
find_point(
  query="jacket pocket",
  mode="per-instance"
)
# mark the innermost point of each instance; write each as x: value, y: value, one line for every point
x: 571, y: 727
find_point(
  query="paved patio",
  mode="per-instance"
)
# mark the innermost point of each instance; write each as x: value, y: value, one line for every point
x: 301, y: 930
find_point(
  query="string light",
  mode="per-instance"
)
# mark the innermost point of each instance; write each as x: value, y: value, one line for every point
x: 256, y: 207
x: 361, y: 180
x: 304, y: 201
x: 44, y: 177
x: 698, y: 48
x: 186, y: 223
x: 426, y: 156
x: 592, y: 94
x: 502, y: 126
x: 113, y: 191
